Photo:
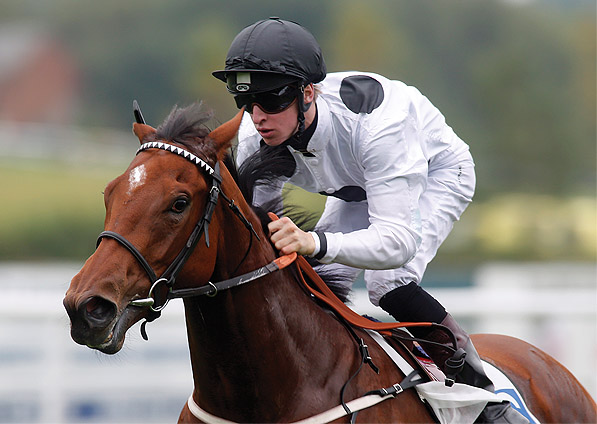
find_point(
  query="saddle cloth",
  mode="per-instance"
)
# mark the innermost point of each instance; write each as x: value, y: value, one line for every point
x: 460, y: 403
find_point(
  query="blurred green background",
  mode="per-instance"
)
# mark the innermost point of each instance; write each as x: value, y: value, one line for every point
x: 515, y: 79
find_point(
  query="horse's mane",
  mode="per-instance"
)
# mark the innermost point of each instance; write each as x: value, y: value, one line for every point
x: 188, y: 128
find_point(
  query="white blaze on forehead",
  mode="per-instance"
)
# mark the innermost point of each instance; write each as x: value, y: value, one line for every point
x: 136, y: 178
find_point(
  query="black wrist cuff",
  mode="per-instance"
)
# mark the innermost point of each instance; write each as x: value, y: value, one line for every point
x: 323, y: 245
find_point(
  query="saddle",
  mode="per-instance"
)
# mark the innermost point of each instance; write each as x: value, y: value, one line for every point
x: 405, y: 345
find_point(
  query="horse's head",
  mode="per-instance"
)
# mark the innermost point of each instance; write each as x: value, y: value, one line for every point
x: 152, y: 210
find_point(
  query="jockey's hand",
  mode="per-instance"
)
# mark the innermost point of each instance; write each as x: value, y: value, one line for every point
x: 288, y: 238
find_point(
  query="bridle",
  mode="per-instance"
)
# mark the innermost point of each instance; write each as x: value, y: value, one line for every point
x: 168, y: 278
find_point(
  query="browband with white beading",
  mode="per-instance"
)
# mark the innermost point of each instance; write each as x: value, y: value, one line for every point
x: 179, y: 151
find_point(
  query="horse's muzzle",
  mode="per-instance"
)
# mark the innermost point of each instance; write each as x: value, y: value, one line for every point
x: 91, y: 320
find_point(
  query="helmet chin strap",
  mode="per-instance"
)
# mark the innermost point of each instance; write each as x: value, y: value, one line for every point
x: 302, y: 108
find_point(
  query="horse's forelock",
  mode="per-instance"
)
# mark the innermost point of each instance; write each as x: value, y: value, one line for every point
x: 188, y: 127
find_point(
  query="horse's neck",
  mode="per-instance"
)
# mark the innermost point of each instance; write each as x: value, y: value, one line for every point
x: 254, y: 344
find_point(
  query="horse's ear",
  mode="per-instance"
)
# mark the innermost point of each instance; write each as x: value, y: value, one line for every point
x: 225, y: 132
x: 142, y: 131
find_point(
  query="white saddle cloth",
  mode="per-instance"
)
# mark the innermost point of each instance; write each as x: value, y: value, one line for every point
x: 461, y: 403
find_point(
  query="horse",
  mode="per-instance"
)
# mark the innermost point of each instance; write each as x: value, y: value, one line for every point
x: 264, y: 351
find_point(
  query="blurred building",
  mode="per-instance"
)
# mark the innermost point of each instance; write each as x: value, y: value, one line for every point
x: 39, y: 79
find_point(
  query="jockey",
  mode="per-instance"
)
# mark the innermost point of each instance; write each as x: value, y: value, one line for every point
x: 396, y: 175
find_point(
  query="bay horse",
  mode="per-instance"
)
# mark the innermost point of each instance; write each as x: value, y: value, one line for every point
x: 264, y: 351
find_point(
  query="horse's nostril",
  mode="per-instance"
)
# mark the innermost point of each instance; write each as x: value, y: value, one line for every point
x: 98, y: 311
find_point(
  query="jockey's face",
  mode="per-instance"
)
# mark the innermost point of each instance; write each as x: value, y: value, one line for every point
x: 276, y: 128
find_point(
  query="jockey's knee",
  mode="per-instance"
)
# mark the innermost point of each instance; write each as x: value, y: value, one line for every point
x: 412, y: 303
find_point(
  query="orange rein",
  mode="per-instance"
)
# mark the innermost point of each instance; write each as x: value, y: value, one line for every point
x: 325, y: 294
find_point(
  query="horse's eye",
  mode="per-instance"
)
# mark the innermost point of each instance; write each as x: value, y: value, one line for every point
x: 180, y: 205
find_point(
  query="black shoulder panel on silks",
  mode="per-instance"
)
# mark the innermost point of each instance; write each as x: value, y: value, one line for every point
x: 361, y: 93
x: 348, y: 194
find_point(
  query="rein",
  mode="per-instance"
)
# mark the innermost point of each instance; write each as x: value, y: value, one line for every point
x: 325, y: 294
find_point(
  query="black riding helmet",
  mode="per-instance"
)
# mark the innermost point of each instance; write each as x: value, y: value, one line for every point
x: 270, y: 54
x: 275, y: 53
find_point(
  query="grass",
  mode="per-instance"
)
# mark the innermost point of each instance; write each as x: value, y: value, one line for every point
x: 50, y: 209
x: 55, y: 210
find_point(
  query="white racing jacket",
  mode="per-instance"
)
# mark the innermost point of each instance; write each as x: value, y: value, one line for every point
x: 376, y: 141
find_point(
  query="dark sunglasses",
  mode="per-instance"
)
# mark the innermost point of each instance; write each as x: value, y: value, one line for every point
x: 274, y: 101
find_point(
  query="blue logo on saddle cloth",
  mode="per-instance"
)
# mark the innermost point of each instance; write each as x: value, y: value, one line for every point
x: 517, y: 403
x: 506, y: 390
